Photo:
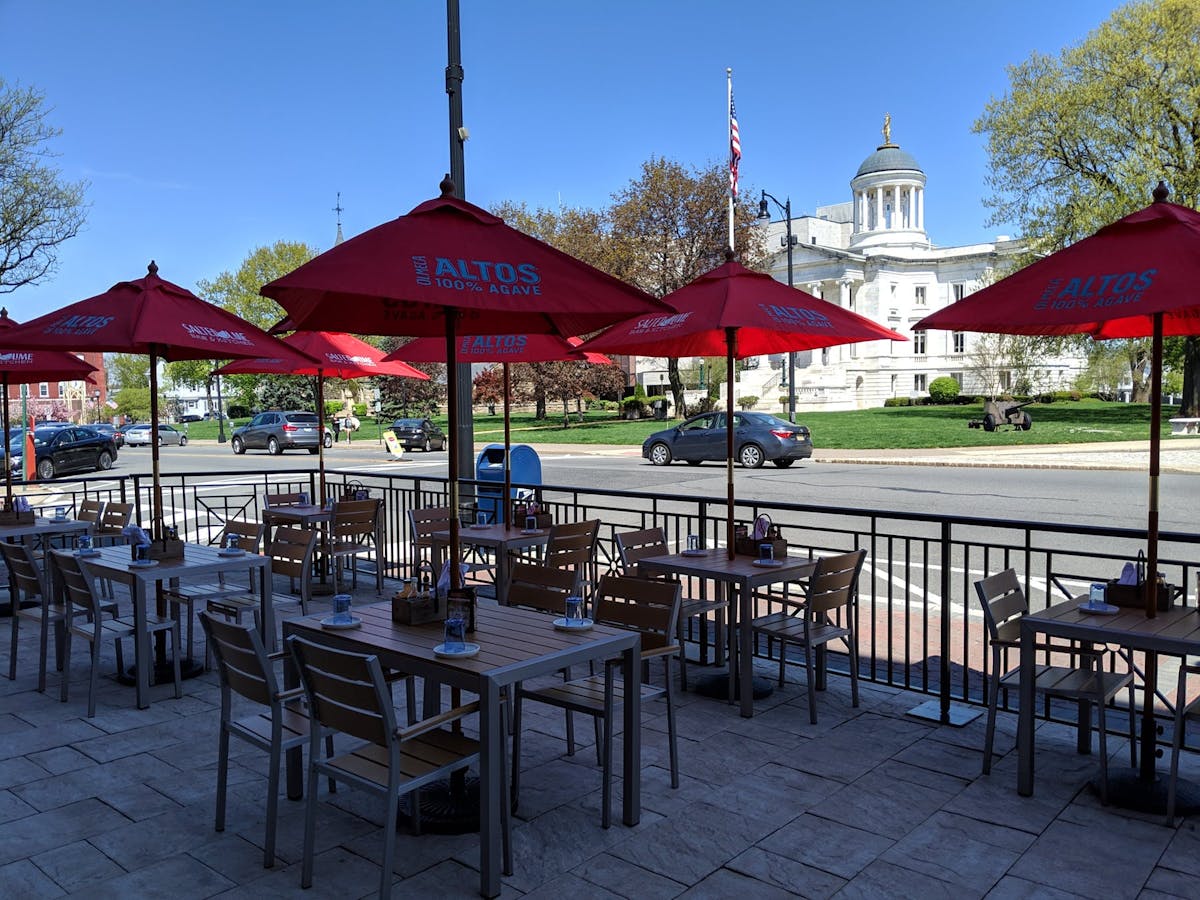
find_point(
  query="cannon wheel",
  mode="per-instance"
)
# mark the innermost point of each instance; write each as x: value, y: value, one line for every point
x: 1026, y: 422
x: 989, y: 422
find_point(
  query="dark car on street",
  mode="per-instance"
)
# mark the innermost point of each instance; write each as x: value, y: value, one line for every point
x: 112, y: 431
x: 59, y: 450
x: 278, y: 431
x: 419, y: 434
x: 757, y: 438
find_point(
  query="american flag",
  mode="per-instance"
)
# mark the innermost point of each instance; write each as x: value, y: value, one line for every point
x: 735, y: 148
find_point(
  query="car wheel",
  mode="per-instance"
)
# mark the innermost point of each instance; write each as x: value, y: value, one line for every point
x: 428, y: 445
x: 989, y: 422
x: 693, y: 462
x: 161, y: 442
x: 327, y: 441
x: 104, y: 461
x: 183, y: 440
x: 783, y: 463
x: 660, y: 455
x: 273, y: 447
x: 238, y: 446
x: 751, y: 456
x: 45, y: 469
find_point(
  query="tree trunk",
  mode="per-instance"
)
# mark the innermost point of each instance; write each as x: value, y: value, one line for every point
x: 539, y: 410
x: 1189, y: 405
x: 676, y: 386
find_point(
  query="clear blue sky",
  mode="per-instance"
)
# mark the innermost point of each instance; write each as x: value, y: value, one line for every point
x: 210, y: 128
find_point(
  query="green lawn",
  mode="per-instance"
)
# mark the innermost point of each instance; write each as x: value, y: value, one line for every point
x: 900, y: 427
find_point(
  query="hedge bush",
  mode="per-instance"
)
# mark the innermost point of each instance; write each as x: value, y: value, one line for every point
x: 943, y: 390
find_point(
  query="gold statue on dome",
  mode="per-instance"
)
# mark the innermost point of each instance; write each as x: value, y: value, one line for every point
x: 887, y: 127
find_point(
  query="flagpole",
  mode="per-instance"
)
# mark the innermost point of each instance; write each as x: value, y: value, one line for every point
x: 732, y: 138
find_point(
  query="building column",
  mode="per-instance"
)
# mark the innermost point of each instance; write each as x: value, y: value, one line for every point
x: 844, y: 293
x: 878, y: 208
x: 921, y: 209
x: 814, y: 288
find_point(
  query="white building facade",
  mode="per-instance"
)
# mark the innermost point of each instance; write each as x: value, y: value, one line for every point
x: 872, y: 255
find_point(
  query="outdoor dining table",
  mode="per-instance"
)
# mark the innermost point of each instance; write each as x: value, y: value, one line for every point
x: 199, y: 561
x: 515, y: 645
x: 1175, y: 632
x: 743, y: 576
x: 504, y: 539
x: 42, y: 527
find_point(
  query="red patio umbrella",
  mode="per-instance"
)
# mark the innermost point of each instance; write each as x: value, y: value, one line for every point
x: 504, y: 349
x: 449, y: 267
x: 333, y: 353
x: 153, y: 316
x: 32, y: 367
x: 735, y: 312
x: 1134, y: 278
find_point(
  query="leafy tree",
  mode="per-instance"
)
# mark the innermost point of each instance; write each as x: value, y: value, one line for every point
x: 134, y: 403
x: 39, y: 211
x: 238, y: 292
x: 128, y: 370
x: 489, y: 388
x: 409, y: 396
x: 287, y: 392
x: 1081, y: 138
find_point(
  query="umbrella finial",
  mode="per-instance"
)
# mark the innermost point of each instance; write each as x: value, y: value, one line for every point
x: 447, y: 186
x: 152, y: 269
x: 729, y: 255
x: 1162, y: 192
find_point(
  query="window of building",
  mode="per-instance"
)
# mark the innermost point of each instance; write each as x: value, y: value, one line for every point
x: 919, y: 381
x: 1006, y: 381
x: 918, y: 343
x: 44, y: 390
x: 959, y: 293
x: 824, y: 356
x: 920, y: 295
x: 958, y: 379
x: 960, y: 341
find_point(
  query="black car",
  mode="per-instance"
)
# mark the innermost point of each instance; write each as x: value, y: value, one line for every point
x: 111, y: 430
x: 757, y: 437
x: 74, y: 448
x: 277, y: 431
x: 419, y: 434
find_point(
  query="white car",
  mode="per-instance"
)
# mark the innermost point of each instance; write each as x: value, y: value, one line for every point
x: 139, y: 436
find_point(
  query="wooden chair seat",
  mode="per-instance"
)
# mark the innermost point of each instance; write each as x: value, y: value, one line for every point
x: 420, y: 757
x: 791, y: 627
x: 586, y: 695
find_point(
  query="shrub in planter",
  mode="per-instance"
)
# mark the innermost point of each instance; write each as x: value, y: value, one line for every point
x: 943, y: 390
x: 748, y: 402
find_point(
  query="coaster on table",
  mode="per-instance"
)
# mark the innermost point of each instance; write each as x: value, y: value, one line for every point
x: 693, y: 553
x: 1104, y: 609
x: 468, y: 650
x: 561, y: 624
x: 236, y: 551
x: 340, y: 623
x: 143, y: 564
x: 768, y: 563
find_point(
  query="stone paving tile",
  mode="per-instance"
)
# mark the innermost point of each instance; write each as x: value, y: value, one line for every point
x: 13, y: 807
x: 45, y: 737
x: 625, y: 879
x: 19, y: 771
x: 25, y: 880
x: 1183, y: 851
x: 76, y: 865
x: 773, y: 794
x: 179, y: 878
x: 725, y: 883
x: 786, y: 873
x: 959, y: 850
x: 61, y: 759
x: 41, y: 832
x: 1169, y: 882
x: 573, y: 886
x: 93, y: 781
x: 855, y: 747
x: 1010, y: 887
x: 882, y: 879
x: 891, y: 799
x: 826, y: 845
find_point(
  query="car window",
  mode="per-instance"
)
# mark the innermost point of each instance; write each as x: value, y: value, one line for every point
x: 303, y: 418
x: 698, y: 424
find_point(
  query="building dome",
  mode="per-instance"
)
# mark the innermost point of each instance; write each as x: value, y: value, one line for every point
x: 888, y: 158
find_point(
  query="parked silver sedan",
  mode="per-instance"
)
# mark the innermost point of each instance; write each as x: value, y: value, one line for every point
x: 140, y: 436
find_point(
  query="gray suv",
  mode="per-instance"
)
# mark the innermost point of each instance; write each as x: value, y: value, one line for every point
x: 276, y: 432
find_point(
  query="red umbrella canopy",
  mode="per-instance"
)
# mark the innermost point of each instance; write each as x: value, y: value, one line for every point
x: 149, y: 315
x: 336, y: 355
x: 498, y: 348
x: 769, y: 317
x: 401, y: 277
x: 32, y: 366
x: 1109, y: 285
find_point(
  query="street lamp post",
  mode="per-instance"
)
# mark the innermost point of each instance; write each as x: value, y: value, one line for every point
x: 96, y: 400
x: 221, y: 415
x: 702, y: 374
x: 764, y: 212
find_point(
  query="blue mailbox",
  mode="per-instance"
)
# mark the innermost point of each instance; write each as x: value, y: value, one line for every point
x: 489, y: 471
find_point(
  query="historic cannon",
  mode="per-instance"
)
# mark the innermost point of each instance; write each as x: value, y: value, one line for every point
x: 997, y: 413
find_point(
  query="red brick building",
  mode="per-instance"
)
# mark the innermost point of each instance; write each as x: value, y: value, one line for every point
x: 77, y: 401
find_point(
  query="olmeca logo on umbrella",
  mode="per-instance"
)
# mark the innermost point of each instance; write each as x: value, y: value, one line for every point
x: 216, y: 335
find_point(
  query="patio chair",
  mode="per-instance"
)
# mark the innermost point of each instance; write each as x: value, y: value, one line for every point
x: 422, y: 525
x: 90, y: 511
x: 290, y: 498
x: 348, y: 691
x: 280, y: 723
x: 291, y: 551
x: 826, y: 613
x: 110, y: 530
x: 1004, y: 603
x: 633, y: 546
x: 48, y: 611
x: 187, y: 594
x: 85, y: 620
x: 354, y: 532
x: 650, y: 607
x: 572, y: 546
x: 1184, y: 710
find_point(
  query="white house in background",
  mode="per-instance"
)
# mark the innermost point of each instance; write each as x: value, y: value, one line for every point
x: 872, y: 254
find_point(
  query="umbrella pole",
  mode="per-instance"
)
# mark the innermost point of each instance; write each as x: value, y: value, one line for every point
x: 156, y: 531
x: 452, y: 462
x: 7, y: 449
x: 730, y: 354
x: 321, y: 436
x: 507, y: 499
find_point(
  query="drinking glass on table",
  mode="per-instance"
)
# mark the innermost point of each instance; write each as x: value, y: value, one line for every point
x: 341, y: 608
x: 574, y: 610
x: 766, y: 552
x: 454, y: 637
x: 693, y: 543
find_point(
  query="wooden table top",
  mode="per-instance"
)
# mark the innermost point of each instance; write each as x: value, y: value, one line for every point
x: 1175, y: 631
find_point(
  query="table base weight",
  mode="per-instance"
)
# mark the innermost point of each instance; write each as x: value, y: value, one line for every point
x: 450, y: 806
x: 1128, y: 790
x: 164, y: 673
x: 717, y: 685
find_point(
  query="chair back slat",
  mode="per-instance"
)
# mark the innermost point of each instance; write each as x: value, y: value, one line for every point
x: 24, y: 569
x: 541, y: 588
x: 291, y: 551
x: 1002, y: 599
x: 76, y: 582
x: 346, y: 691
x: 634, y: 546
x: 241, y: 658
x: 834, y: 582
x: 572, y: 535
x: 249, y: 534
x: 651, y: 607
x: 355, y: 521
x: 89, y: 510
x: 115, y: 517
x: 291, y: 498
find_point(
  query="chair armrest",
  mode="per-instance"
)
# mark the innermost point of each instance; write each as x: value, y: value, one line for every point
x: 290, y: 694
x: 668, y: 650
x: 435, y: 722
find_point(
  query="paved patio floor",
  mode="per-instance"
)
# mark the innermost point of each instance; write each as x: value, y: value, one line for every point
x: 870, y: 802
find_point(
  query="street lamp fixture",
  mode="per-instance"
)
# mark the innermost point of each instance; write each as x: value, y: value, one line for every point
x: 702, y: 373
x: 764, y: 212
x: 221, y: 415
x: 96, y: 399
